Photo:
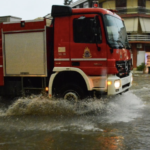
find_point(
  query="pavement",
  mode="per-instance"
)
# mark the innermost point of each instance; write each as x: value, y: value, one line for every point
x: 141, y: 75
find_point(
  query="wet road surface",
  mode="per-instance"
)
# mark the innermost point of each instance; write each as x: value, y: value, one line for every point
x: 121, y: 122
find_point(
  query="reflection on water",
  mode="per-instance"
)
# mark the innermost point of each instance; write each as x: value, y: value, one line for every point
x: 110, y: 143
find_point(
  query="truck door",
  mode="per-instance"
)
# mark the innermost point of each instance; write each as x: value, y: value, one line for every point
x: 88, y: 44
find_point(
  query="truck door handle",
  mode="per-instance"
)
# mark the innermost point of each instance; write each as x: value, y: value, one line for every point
x: 99, y: 48
x: 75, y: 63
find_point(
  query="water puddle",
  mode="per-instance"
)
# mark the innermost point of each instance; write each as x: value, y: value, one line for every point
x: 141, y: 89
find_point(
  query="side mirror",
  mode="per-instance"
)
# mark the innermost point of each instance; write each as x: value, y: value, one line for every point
x: 96, y: 21
x: 96, y: 26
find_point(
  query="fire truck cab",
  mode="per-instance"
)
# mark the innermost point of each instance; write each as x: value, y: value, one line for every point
x: 91, y: 53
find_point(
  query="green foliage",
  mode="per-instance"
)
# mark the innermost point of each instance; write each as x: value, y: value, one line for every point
x: 141, y: 67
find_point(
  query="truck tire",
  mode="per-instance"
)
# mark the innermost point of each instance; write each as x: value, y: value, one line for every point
x: 72, y: 92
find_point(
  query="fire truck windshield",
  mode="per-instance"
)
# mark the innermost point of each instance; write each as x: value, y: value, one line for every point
x: 116, y: 32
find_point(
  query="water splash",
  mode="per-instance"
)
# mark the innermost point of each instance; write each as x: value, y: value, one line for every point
x: 60, y: 115
x: 124, y: 108
x: 120, y: 108
x: 39, y: 105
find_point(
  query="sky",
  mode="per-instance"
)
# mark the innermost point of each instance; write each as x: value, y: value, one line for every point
x: 27, y: 9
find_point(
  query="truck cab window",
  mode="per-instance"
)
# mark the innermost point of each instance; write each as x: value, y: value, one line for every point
x: 116, y: 32
x: 84, y: 30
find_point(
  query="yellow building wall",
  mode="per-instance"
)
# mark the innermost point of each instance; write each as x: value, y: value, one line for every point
x: 132, y: 3
x: 109, y: 5
x: 101, y: 1
x: 147, y: 4
x: 139, y: 28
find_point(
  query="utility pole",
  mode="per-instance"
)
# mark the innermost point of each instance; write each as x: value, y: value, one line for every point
x: 90, y: 3
x: 67, y: 2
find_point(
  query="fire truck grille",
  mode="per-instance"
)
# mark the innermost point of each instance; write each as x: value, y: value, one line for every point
x: 124, y: 68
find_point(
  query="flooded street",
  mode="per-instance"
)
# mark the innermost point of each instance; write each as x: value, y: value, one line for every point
x: 121, y: 122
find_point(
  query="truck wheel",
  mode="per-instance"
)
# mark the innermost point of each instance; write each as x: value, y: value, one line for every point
x: 72, y: 92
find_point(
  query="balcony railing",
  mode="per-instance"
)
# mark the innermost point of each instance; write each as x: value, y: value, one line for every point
x: 139, y: 10
x: 139, y: 37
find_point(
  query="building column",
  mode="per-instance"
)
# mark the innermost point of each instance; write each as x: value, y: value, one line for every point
x: 134, y: 52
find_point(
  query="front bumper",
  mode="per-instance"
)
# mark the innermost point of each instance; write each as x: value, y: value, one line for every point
x: 126, y: 83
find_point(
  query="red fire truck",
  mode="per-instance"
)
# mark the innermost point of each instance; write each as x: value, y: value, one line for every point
x: 83, y: 51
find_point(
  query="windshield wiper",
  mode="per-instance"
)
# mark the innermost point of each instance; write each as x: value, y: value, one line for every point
x: 119, y: 41
x: 128, y: 47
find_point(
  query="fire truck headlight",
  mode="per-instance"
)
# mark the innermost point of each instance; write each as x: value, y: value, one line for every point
x: 117, y: 84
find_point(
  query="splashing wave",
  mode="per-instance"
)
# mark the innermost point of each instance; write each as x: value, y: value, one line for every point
x: 43, y: 106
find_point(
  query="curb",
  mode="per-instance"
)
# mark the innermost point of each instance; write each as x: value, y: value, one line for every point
x: 141, y: 75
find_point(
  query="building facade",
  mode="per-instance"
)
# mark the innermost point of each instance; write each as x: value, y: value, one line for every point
x: 136, y: 16
x: 9, y: 19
